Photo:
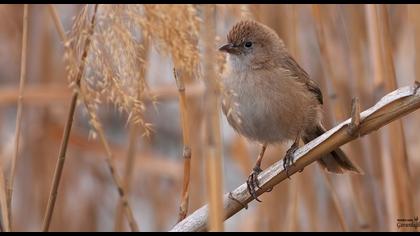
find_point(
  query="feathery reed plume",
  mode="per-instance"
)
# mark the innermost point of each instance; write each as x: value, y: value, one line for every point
x: 115, y: 50
x: 19, y: 113
x: 133, y: 137
x: 115, y: 53
x: 113, y: 76
x: 110, y: 67
x: 174, y: 29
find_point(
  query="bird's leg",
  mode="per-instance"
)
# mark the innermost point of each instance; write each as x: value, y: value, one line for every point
x: 252, y: 181
x: 288, y: 158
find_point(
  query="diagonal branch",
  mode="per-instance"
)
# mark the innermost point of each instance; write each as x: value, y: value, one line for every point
x: 391, y: 107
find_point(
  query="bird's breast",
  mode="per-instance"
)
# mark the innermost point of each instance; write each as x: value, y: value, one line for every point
x: 248, y: 103
x: 265, y: 107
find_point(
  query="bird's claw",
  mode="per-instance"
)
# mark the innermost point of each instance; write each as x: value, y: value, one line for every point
x: 288, y: 159
x: 252, y: 182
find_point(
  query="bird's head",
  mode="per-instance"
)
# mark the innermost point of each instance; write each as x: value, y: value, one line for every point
x: 251, y: 43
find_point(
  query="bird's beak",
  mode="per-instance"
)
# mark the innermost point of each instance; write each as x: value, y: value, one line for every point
x: 229, y: 48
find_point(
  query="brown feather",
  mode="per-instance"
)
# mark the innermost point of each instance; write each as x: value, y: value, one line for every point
x: 269, y: 97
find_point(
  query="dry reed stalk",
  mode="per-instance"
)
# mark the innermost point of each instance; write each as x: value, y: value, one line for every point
x: 292, y: 212
x: 196, y: 114
x: 415, y: 20
x: 391, y: 107
x: 19, y: 113
x: 339, y: 88
x: 356, y: 40
x: 69, y: 122
x: 128, y: 175
x: 293, y: 26
x: 212, y: 124
x: 374, y: 44
x: 55, y: 94
x: 404, y: 194
x: 357, y: 51
x: 152, y: 163
x: 183, y: 209
x: 278, y: 204
x: 365, y: 198
x: 58, y: 25
x: 307, y: 190
x: 36, y: 95
x: 336, y: 202
x: 327, y: 118
x: 364, y: 205
x: 44, y: 153
x: 268, y: 14
x: 326, y: 65
x: 375, y: 49
x: 387, y: 49
x: 162, y: 206
x: 4, y: 224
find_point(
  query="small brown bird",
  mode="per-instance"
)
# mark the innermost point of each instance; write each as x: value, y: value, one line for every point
x: 270, y: 99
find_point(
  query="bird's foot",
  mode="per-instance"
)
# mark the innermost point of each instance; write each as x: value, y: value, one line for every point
x: 288, y: 159
x: 252, y: 182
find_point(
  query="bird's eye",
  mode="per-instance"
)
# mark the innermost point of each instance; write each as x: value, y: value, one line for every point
x: 248, y: 44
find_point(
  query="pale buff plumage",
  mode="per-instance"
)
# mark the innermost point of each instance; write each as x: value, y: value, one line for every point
x: 274, y: 105
x: 268, y: 97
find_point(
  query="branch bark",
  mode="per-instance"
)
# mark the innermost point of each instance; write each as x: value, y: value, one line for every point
x: 391, y: 107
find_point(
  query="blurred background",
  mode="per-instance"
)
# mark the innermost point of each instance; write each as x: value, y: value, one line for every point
x: 350, y: 50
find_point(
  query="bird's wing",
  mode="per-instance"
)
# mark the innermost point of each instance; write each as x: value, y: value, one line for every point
x: 302, y: 76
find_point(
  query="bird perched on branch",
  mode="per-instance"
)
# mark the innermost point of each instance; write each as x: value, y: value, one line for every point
x: 270, y: 99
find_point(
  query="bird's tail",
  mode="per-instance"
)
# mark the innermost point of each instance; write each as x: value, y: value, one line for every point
x: 335, y: 161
